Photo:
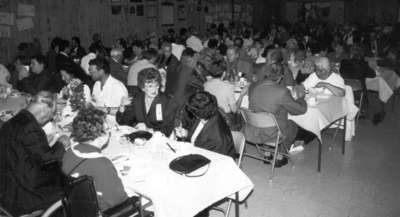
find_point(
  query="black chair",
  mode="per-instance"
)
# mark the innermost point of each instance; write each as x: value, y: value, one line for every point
x: 81, y: 201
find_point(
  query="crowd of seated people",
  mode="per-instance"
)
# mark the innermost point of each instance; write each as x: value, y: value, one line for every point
x: 182, y: 84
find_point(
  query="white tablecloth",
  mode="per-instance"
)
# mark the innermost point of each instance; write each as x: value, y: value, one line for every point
x: 174, y: 195
x: 384, y: 83
x: 320, y: 116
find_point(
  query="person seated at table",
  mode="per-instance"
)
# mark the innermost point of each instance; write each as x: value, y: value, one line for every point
x: 116, y: 69
x: 269, y: 96
x: 40, y: 79
x: 85, y: 158
x: 148, y: 61
x: 204, y: 126
x: 28, y: 182
x: 338, y: 54
x: 150, y: 107
x: 274, y: 56
x: 236, y: 64
x: 356, y: 67
x: 224, y: 93
x: 70, y: 76
x: 107, y: 91
x: 323, y: 77
x: 187, y: 79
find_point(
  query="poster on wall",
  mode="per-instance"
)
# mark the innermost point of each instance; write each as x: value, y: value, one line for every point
x: 6, y: 18
x: 26, y: 10
x: 24, y: 23
x: 167, y: 14
x: 139, y: 10
x: 5, y: 32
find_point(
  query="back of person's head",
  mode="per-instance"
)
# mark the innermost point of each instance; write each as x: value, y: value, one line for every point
x: 150, y: 54
x: 217, y: 69
x: 212, y: 43
x: 77, y: 40
x: 183, y: 31
x: 101, y: 63
x: 63, y: 45
x: 45, y: 97
x: 273, y: 72
x: 138, y: 43
x: 356, y: 52
x: 55, y: 42
x: 88, y: 125
x: 95, y: 49
x: 41, y: 59
x: 202, y: 105
x: 188, y: 52
x: 274, y: 56
x: 148, y: 75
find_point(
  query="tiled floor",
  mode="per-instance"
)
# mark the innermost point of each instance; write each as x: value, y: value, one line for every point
x: 365, y: 182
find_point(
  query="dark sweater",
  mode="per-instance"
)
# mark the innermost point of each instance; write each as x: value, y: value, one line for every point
x: 104, y: 175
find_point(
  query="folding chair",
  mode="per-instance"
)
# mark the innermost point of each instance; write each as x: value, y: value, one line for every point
x: 239, y: 143
x: 81, y: 201
x: 357, y: 88
x: 263, y: 120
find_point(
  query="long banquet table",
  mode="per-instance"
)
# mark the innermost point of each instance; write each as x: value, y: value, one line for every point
x: 145, y: 170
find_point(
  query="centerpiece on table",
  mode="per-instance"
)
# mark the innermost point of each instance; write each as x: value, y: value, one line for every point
x: 75, y: 97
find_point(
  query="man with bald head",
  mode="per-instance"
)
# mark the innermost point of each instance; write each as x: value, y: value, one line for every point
x: 323, y: 77
x: 116, y: 69
x: 26, y: 184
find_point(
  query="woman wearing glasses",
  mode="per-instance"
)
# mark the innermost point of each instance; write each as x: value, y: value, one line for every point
x: 150, y: 109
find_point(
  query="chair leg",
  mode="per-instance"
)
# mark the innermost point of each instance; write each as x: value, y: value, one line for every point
x: 360, y: 108
x: 228, y: 209
x: 344, y: 134
x: 273, y: 162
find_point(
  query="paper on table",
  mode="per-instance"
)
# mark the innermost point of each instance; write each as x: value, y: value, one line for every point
x: 26, y: 10
x: 24, y: 23
x: 6, y: 18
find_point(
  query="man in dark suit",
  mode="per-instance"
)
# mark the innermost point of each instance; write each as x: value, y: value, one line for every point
x: 271, y: 97
x: 116, y: 69
x: 25, y: 182
x: 187, y: 79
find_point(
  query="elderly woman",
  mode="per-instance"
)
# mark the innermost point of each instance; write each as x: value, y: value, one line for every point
x: 39, y: 80
x: 150, y: 107
x: 85, y: 158
x: 204, y: 126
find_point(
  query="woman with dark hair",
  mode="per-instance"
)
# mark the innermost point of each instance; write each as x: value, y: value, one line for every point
x: 204, y: 126
x: 71, y: 77
x: 85, y: 158
x: 151, y: 107
x: 39, y: 80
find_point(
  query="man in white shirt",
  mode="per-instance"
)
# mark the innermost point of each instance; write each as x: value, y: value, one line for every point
x: 324, y: 78
x: 107, y: 91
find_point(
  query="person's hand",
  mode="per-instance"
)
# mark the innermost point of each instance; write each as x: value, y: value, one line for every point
x: 299, y: 91
x: 141, y: 126
x: 23, y: 72
x: 64, y: 139
x: 126, y: 101
x: 181, y: 132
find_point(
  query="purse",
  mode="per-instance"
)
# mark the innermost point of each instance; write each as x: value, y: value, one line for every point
x: 139, y: 135
x: 184, y: 165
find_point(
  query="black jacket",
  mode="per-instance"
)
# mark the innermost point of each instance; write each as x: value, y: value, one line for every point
x: 25, y: 185
x: 356, y: 69
x: 36, y: 82
x: 136, y: 113
x: 215, y: 136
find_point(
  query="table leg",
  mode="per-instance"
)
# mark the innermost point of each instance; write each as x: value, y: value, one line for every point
x: 237, y: 204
